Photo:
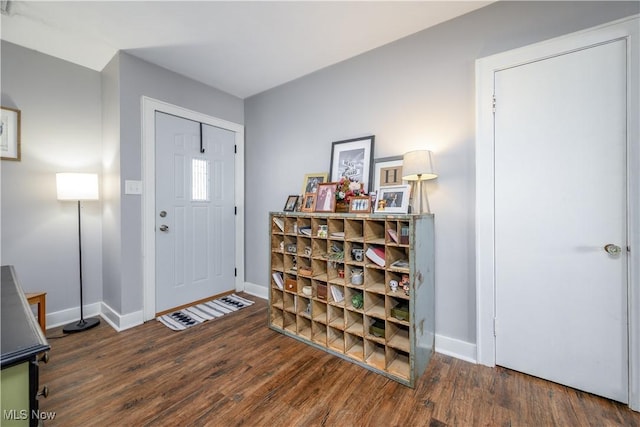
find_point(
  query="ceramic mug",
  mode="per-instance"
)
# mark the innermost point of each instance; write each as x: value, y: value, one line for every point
x: 357, y: 276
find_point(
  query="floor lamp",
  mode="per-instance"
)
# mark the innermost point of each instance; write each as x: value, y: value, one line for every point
x: 78, y: 187
x: 418, y: 166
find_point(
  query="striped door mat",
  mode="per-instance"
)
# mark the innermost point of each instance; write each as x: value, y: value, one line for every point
x: 191, y: 316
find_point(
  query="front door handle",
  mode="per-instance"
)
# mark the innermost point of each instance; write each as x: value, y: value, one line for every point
x: 164, y: 228
x: 612, y: 249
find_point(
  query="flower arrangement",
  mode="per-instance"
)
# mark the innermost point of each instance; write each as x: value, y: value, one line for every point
x: 348, y: 188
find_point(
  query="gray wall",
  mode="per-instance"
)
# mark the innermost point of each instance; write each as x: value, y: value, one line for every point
x: 135, y: 79
x: 61, y: 126
x: 418, y: 92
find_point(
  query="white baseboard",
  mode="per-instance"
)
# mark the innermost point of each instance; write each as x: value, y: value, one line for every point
x: 256, y: 290
x: 120, y: 322
x: 456, y: 348
x: 116, y: 321
x: 69, y: 315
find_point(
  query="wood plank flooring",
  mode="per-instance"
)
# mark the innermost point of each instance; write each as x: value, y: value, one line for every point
x: 234, y: 371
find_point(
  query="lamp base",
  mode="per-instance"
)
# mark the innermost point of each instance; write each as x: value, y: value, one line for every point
x: 81, y: 325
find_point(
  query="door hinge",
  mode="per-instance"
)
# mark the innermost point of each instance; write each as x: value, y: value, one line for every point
x: 235, y: 210
x: 493, y: 104
x: 235, y: 149
x: 494, y: 327
x: 235, y: 272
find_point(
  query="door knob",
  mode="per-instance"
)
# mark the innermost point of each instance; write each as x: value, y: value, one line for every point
x: 612, y: 249
x: 164, y: 228
x: 163, y: 214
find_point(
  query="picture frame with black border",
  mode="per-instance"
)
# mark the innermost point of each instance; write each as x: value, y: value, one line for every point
x: 360, y: 204
x: 326, y: 197
x: 353, y: 158
x: 396, y: 199
x: 292, y: 202
x: 309, y: 202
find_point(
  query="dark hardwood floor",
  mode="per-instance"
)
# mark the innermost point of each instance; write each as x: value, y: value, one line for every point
x: 236, y: 371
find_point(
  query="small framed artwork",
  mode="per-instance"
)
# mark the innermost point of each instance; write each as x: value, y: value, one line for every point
x: 311, y: 181
x: 393, y: 199
x: 360, y: 204
x: 387, y: 172
x: 353, y: 159
x: 309, y: 202
x: 326, y: 200
x: 290, y: 205
x: 10, y: 133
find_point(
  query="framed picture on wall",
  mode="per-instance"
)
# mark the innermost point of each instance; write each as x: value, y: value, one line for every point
x: 352, y: 158
x: 326, y: 197
x: 312, y: 180
x: 10, y: 133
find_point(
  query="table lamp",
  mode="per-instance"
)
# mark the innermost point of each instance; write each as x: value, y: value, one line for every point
x: 418, y: 166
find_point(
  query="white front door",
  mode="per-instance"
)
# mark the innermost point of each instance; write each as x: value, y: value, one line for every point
x: 195, y: 224
x: 560, y: 198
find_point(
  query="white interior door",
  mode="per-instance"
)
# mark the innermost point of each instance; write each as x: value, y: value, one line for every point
x: 195, y: 230
x: 560, y: 197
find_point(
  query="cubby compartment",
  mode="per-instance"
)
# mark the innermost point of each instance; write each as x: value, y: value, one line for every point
x: 291, y: 226
x: 335, y: 296
x: 374, y: 280
x: 336, y: 228
x: 398, y: 363
x: 276, y: 318
x: 304, y: 327
x: 335, y: 317
x: 319, y: 311
x: 374, y: 305
x: 290, y: 322
x: 397, y: 336
x: 319, y: 333
x: 389, y: 330
x: 397, y: 258
x: 374, y: 232
x: 289, y: 302
x: 335, y: 339
x: 354, y: 323
x: 354, y: 346
x: 354, y: 299
x: 374, y: 354
x: 353, y: 230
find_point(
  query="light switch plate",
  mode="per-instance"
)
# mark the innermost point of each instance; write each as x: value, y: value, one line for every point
x: 132, y: 187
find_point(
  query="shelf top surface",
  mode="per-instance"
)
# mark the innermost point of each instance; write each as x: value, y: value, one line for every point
x: 379, y: 216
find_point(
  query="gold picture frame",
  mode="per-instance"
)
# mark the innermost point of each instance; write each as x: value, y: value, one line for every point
x: 312, y: 180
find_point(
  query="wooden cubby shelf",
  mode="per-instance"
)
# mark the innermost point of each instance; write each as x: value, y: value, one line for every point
x: 353, y: 312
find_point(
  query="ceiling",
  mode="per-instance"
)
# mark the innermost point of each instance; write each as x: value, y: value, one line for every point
x: 240, y: 47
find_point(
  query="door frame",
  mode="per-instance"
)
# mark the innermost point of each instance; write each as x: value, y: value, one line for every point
x: 627, y: 29
x: 149, y: 107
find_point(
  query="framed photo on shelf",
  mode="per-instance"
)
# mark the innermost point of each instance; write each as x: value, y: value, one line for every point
x: 326, y: 197
x: 290, y: 205
x: 10, y: 133
x: 393, y: 199
x: 387, y: 171
x: 311, y: 181
x: 352, y: 158
x: 360, y: 204
x: 309, y: 202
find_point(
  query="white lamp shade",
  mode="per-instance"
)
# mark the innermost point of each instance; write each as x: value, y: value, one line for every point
x: 418, y: 165
x: 77, y: 186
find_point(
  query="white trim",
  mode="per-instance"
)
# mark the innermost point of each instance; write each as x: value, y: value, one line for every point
x: 149, y: 107
x: 121, y: 322
x: 456, y: 348
x: 256, y: 290
x: 62, y: 317
x: 485, y: 293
